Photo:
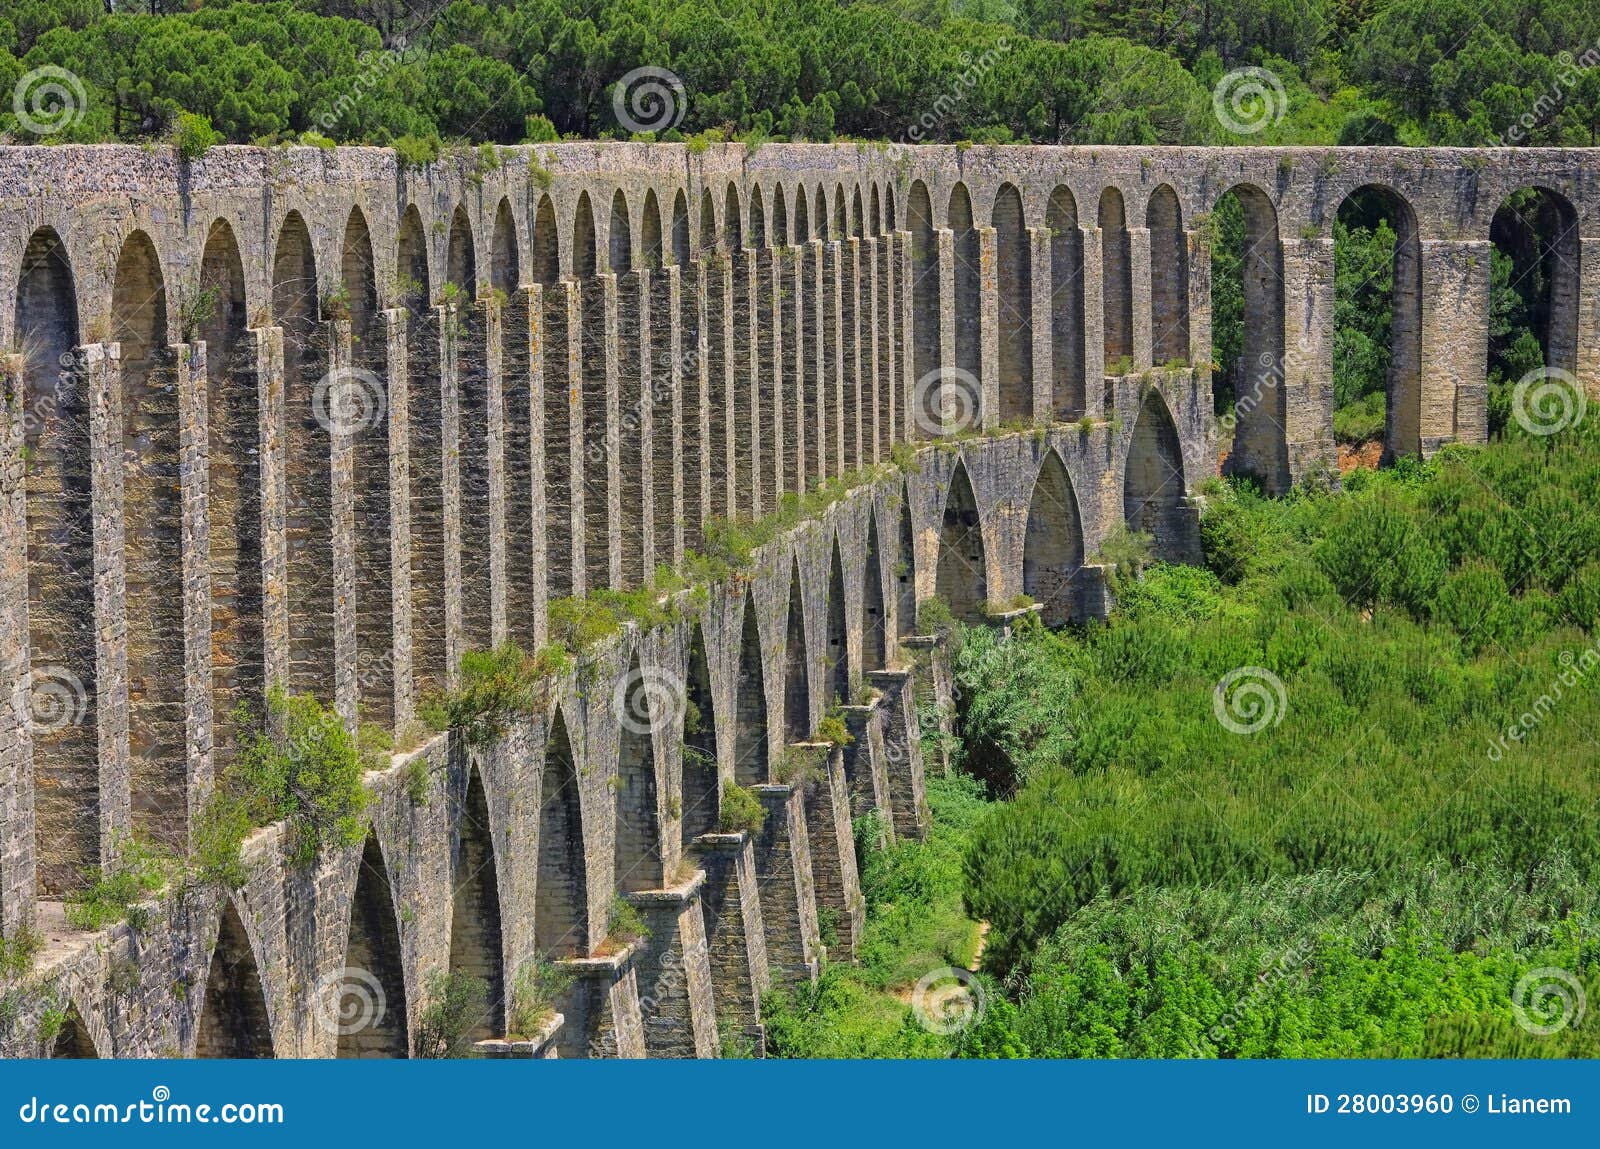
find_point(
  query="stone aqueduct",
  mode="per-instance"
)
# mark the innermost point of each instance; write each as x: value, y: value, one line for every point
x: 565, y: 359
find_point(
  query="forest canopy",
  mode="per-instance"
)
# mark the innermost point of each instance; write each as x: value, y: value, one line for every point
x: 989, y: 71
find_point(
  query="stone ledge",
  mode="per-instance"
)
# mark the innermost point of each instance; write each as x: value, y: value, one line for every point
x: 602, y: 965
x: 513, y: 1048
x: 670, y: 895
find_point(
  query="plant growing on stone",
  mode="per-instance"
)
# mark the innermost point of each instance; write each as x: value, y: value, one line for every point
x: 457, y: 1005
x: 534, y: 992
x: 497, y: 686
x: 138, y: 871
x: 798, y: 765
x: 935, y: 617
x: 18, y: 952
x: 624, y: 925
x: 832, y: 729
x: 740, y: 812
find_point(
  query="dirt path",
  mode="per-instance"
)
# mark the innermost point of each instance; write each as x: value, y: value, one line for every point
x: 983, y: 940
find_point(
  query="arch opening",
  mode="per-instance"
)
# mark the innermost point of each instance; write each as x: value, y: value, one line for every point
x: 561, y: 914
x: 1169, y: 278
x: 425, y: 417
x: 797, y: 668
x: 1116, y: 256
x: 750, y: 704
x: 968, y: 296
x: 874, y: 623
x: 838, y: 672
x: 619, y: 236
x: 701, y: 794
x: 546, y: 244
x: 963, y: 580
x: 234, y: 1022
x: 640, y: 863
x: 924, y: 307
x: 1068, y: 390
x: 467, y: 341
x: 650, y: 233
x: 476, y: 946
x: 1247, y: 335
x: 1052, y: 553
x: 373, y: 958
x: 72, y: 1041
x: 905, y: 573
x: 1534, y: 289
x: 1014, y: 265
x: 1154, y: 490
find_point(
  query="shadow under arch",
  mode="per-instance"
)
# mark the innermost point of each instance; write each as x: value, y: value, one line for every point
x: 963, y: 580
x: 1052, y: 553
x: 476, y: 936
x: 1154, y: 490
x: 561, y: 912
x: 368, y: 1001
x: 233, y: 1021
x: 750, y: 741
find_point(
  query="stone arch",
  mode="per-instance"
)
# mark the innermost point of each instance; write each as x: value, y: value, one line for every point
x: 505, y: 273
x: 963, y: 579
x: 561, y: 913
x: 461, y: 261
x: 233, y: 451
x: 372, y: 986
x: 620, y: 236
x: 233, y: 1021
x: 476, y: 937
x: 838, y: 652
x: 546, y: 244
x: 968, y: 296
x: 1068, y: 388
x: 797, y: 667
x: 59, y: 553
x: 72, y: 1041
x: 857, y: 216
x: 1169, y: 278
x: 680, y: 230
x: 1052, y: 552
x: 1403, y: 424
x: 750, y: 704
x: 875, y: 213
x: 780, y: 218
x: 1260, y: 431
x: 732, y: 225
x: 758, y: 219
x: 1014, y: 268
x: 701, y: 792
x: 640, y: 862
x: 153, y: 546
x: 819, y: 212
x: 584, y: 252
x: 650, y: 233
x: 874, y: 622
x: 890, y: 218
x: 906, y: 571
x: 924, y: 307
x: 841, y: 226
x: 1537, y: 228
x: 1116, y: 259
x: 413, y: 288
x: 802, y: 217
x: 708, y: 223
x: 1154, y: 488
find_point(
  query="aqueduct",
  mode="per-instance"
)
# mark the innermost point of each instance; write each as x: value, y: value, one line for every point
x: 550, y: 368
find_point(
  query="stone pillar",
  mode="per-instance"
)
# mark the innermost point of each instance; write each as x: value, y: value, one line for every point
x: 902, y: 738
x: 833, y: 350
x: 947, y: 313
x: 18, y: 874
x: 1199, y: 295
x: 633, y: 449
x: 788, y: 898
x: 492, y: 318
x: 341, y: 527
x: 1587, y: 334
x: 989, y: 326
x: 602, y: 495
x: 853, y: 378
x: 723, y: 384
x: 1042, y: 284
x: 1307, y: 380
x: 193, y: 439
x: 538, y: 554
x: 394, y: 323
x: 833, y: 849
x: 601, y: 1007
x: 1094, y: 324
x: 865, y: 769
x: 666, y: 415
x: 454, y: 328
x: 905, y: 343
x: 874, y: 350
x: 769, y: 382
x: 814, y: 377
x: 673, y: 972
x: 692, y: 388
x: 736, y: 940
x: 1143, y: 311
x: 274, y: 507
x: 576, y: 495
x: 1455, y: 338
x: 104, y: 379
x: 744, y: 429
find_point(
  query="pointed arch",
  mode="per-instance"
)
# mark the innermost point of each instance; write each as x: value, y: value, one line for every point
x: 233, y: 1022
x: 505, y: 272
x: 758, y: 219
x: 546, y: 244
x: 857, y: 216
x: 584, y: 253
x: 701, y: 794
x: 58, y: 494
x: 413, y: 290
x: 1052, y: 552
x: 1154, y: 490
x: 153, y: 545
x: 797, y: 667
x: 72, y: 1041
x: 561, y: 913
x: 1014, y: 269
x: 841, y: 224
x: 802, y: 217
x: 680, y: 230
x: 874, y: 622
x: 924, y: 307
x: 1169, y: 277
x: 233, y: 452
x: 1116, y: 257
x: 875, y: 213
x: 819, y: 212
x: 890, y: 217
x: 476, y: 945
x: 750, y: 704
x: 374, y: 965
x: 708, y: 223
x: 905, y: 605
x: 963, y: 579
x: 650, y: 233
x: 732, y: 224
x: 461, y: 263
x: 780, y: 217
x: 1254, y: 376
x: 1068, y: 390
x: 838, y: 653
x: 640, y: 862
x: 619, y: 236
x: 425, y: 418
x: 968, y: 278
